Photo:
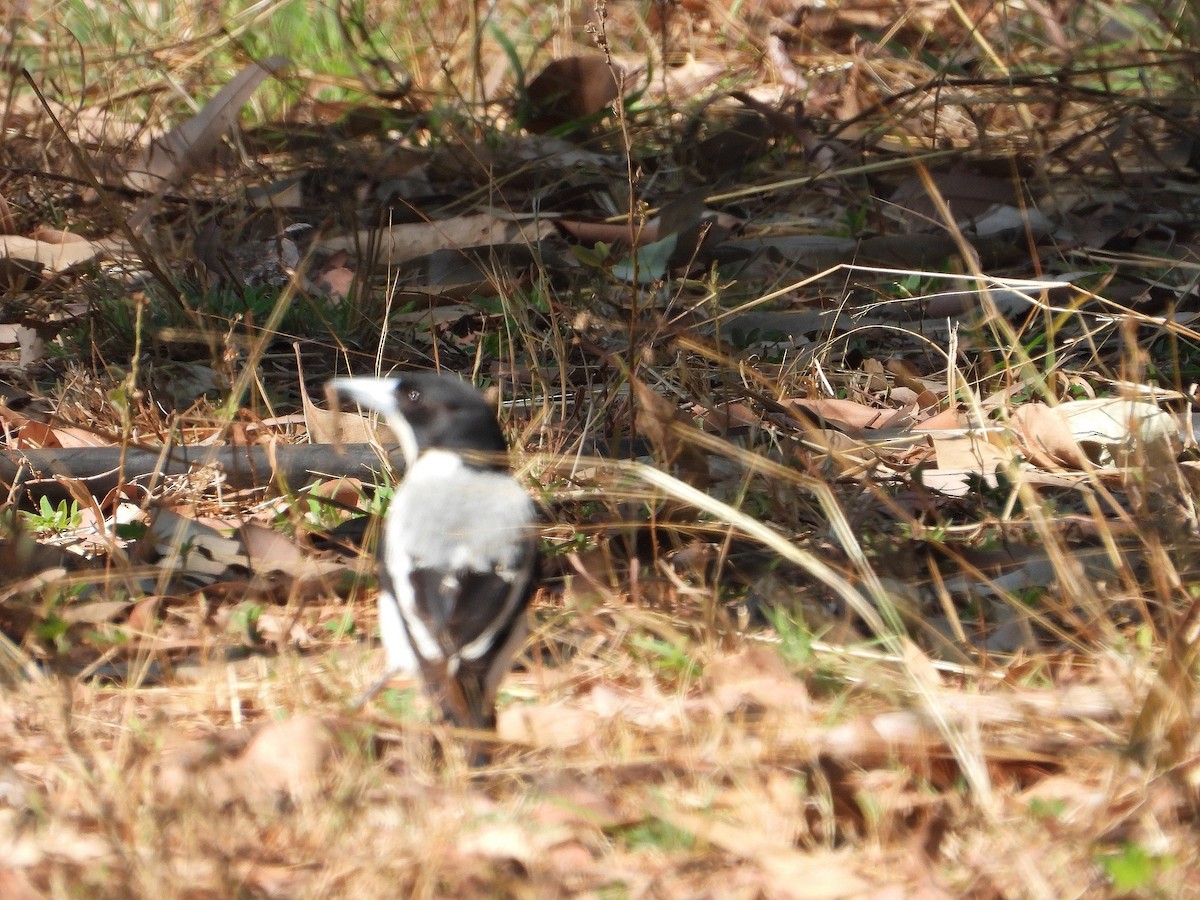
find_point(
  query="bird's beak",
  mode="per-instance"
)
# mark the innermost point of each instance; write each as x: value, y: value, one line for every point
x: 378, y: 394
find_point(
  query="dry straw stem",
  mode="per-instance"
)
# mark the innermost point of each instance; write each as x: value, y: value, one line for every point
x: 968, y: 750
x: 246, y: 379
x: 788, y: 184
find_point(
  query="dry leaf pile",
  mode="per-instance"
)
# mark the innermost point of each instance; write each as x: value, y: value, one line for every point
x: 849, y: 348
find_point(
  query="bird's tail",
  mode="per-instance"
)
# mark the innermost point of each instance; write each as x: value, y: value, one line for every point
x: 466, y: 703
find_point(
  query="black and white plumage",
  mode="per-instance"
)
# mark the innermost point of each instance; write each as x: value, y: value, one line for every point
x: 458, y: 555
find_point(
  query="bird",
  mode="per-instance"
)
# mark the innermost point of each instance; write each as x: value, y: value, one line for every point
x: 270, y: 262
x: 457, y: 557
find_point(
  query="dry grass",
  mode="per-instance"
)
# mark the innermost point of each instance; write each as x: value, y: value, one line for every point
x: 780, y: 656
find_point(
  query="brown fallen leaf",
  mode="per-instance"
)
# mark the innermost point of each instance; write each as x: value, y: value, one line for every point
x: 755, y: 676
x: 968, y: 195
x: 560, y: 725
x: 570, y: 803
x: 846, y: 413
x: 175, y: 155
x: 667, y: 427
x: 822, y: 875
x: 1046, y: 437
x: 569, y: 91
x: 947, y: 419
x: 610, y: 232
x: 285, y: 760
x: 15, y: 885
x: 336, y: 282
x: 333, y: 426
x: 961, y: 456
x: 280, y: 762
x: 346, y: 491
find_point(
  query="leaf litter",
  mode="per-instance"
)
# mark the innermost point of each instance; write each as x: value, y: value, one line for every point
x: 867, y: 571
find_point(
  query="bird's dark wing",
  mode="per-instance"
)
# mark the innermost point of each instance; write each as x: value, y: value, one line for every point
x: 478, y: 619
x: 459, y: 607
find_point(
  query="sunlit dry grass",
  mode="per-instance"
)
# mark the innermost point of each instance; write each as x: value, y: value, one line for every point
x: 738, y: 779
x: 754, y: 669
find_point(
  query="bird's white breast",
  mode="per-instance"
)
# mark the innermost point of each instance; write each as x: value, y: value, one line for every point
x: 451, y: 517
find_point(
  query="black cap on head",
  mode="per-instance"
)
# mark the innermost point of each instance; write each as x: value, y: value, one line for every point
x: 447, y: 413
x: 429, y: 411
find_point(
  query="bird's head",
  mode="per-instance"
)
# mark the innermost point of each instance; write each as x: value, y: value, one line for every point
x: 428, y: 411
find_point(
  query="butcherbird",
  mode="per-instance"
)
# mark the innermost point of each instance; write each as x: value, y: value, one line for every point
x: 458, y: 552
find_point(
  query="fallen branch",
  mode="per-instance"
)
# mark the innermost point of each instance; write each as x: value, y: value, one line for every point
x: 29, y: 475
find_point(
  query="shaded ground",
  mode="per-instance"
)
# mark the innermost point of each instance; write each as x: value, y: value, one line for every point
x: 851, y: 358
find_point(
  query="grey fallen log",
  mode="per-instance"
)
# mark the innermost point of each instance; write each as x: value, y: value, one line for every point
x: 28, y: 475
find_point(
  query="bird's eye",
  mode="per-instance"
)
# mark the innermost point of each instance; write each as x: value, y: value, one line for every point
x: 414, y: 396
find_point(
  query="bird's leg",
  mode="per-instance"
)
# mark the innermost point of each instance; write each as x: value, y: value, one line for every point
x: 474, y: 740
x: 479, y: 754
x: 376, y: 686
x: 475, y: 743
x: 466, y: 710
